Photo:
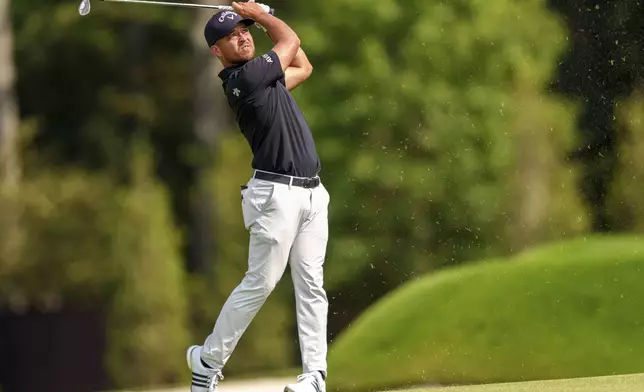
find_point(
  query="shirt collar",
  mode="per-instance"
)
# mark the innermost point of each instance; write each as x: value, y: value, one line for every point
x: 226, y: 72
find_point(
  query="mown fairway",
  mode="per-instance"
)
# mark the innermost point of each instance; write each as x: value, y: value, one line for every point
x: 625, y: 383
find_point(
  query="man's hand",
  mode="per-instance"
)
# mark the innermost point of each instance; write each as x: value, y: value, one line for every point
x: 250, y: 9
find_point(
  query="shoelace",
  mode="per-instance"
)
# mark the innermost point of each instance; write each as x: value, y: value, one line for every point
x: 214, y: 380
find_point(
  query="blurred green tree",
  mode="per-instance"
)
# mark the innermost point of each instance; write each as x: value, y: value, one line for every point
x: 122, y: 67
x: 98, y: 245
x: 147, y: 322
x: 423, y: 113
x: 68, y: 224
x: 626, y: 199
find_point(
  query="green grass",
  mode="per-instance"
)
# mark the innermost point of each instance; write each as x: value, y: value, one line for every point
x: 571, y: 309
x: 625, y: 383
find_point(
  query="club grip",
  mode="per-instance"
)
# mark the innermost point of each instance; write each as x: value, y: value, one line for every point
x: 271, y: 11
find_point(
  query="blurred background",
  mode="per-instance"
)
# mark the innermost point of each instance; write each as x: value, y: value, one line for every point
x: 450, y: 132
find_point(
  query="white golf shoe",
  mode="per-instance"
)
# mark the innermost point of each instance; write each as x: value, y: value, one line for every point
x: 308, y: 382
x: 204, y: 379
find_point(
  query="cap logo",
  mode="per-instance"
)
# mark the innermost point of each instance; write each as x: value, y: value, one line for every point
x: 226, y: 15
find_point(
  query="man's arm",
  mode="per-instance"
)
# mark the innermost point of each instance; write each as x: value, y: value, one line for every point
x: 286, y: 41
x: 299, y: 70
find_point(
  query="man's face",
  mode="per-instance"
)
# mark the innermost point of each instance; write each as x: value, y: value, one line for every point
x: 237, y: 47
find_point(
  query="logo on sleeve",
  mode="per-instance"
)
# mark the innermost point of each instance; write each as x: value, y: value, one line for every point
x: 236, y: 92
x: 267, y: 58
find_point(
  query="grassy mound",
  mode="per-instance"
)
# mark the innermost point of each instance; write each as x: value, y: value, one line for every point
x: 571, y: 309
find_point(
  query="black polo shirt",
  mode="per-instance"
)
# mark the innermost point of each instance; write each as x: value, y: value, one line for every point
x: 269, y: 118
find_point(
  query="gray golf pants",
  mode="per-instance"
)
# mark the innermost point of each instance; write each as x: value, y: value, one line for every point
x: 287, y: 224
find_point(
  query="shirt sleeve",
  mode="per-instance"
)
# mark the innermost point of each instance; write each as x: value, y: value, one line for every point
x: 261, y: 72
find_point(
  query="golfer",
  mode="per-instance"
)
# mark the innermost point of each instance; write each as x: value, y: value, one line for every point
x: 284, y: 204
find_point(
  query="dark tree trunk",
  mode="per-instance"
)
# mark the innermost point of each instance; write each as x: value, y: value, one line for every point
x: 10, y: 168
x: 211, y: 120
x: 599, y: 69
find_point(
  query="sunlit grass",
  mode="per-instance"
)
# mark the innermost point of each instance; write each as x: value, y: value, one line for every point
x: 623, y: 383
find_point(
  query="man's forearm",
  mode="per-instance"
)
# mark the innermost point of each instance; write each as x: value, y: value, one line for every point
x: 299, y: 70
x: 277, y: 30
x: 287, y: 43
x: 300, y: 60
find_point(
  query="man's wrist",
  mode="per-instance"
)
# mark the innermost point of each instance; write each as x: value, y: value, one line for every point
x: 261, y: 18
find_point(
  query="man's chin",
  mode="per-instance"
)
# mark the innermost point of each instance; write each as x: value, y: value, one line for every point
x: 243, y: 57
x: 247, y: 53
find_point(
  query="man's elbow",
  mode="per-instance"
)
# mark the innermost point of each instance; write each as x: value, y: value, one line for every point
x: 308, y: 69
x: 294, y: 43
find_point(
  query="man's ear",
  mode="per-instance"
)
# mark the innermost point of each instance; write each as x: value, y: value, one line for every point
x: 215, y: 50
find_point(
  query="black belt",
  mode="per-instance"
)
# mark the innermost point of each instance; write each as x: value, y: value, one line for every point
x: 283, y: 179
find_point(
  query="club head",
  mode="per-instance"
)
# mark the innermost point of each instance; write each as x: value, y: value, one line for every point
x: 84, y: 7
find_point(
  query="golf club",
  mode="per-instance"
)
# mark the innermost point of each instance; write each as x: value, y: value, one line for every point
x: 85, y: 5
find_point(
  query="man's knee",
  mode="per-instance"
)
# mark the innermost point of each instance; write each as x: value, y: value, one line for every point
x: 261, y: 283
x: 310, y: 275
x: 268, y: 284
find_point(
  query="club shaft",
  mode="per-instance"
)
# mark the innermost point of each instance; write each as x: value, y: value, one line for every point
x: 189, y: 5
